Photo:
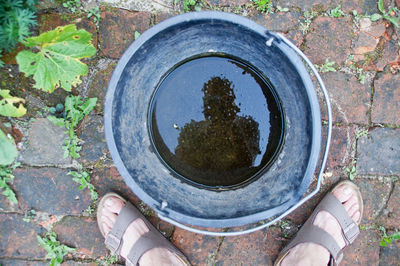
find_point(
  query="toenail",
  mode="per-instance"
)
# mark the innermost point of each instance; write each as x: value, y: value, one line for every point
x: 109, y: 202
x: 347, y: 190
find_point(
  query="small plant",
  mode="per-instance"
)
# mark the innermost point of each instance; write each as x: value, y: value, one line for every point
x: 83, y: 178
x: 387, y: 239
x: 75, y: 111
x: 360, y: 75
x: 326, y: 67
x: 305, y: 27
x: 189, y: 5
x: 73, y: 5
x: 16, y: 19
x: 351, y: 171
x: 6, y: 176
x: 95, y: 13
x: 55, y: 250
x: 264, y: 6
x: 137, y: 35
x: 336, y: 12
x: 389, y: 15
x: 29, y: 215
x: 109, y: 260
x: 282, y: 9
x: 57, y: 64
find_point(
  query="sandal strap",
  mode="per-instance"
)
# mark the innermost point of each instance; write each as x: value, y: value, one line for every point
x: 147, y: 242
x: 126, y: 216
x: 350, y: 229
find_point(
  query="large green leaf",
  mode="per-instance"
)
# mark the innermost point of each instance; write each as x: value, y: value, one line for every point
x: 11, y: 106
x: 57, y: 64
x: 8, y: 151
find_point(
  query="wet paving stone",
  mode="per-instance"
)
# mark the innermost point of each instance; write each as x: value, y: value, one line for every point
x: 18, y: 238
x: 329, y: 38
x: 115, y: 36
x: 98, y: 86
x: 374, y: 194
x: 94, y: 147
x: 386, y: 105
x: 51, y: 21
x: 368, y: 7
x: 16, y: 262
x: 282, y: 21
x: 378, y: 153
x: 44, y: 145
x: 83, y: 234
x: 349, y: 98
x: 390, y: 255
x: 340, y: 149
x: 50, y: 190
x: 390, y: 55
x: 364, y: 251
x: 392, y: 211
x: 199, y: 249
x: 259, y: 248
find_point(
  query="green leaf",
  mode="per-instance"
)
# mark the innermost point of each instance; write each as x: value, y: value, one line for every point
x: 381, y: 6
x: 57, y: 64
x: 8, y: 151
x: 375, y: 17
x: 137, y: 35
x: 89, y: 105
x: 394, y: 20
x: 11, y: 106
x: 56, y: 121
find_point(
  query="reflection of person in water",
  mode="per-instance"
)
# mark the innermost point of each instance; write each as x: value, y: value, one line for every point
x: 223, y: 141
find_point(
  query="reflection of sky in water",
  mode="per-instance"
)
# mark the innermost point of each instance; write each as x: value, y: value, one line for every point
x: 179, y: 99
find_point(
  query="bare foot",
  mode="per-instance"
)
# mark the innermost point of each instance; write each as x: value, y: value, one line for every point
x: 156, y: 256
x: 314, y: 254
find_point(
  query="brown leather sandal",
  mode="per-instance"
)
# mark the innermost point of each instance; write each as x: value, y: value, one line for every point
x: 150, y: 240
x: 311, y: 233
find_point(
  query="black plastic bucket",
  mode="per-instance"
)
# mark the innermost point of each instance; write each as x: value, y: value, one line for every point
x: 130, y: 91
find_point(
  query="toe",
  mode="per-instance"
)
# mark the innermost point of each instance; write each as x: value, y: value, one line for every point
x: 343, y: 193
x: 106, y: 228
x: 352, y: 201
x: 114, y: 204
x: 356, y: 216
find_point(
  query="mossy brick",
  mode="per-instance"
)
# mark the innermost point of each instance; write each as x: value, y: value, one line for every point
x: 199, y: 249
x: 51, y: 21
x: 391, y: 218
x: 378, y: 153
x: 9, y: 57
x: 362, y: 7
x: 374, y: 194
x: 349, y: 98
x: 259, y: 248
x: 49, y: 190
x: 83, y: 234
x: 228, y: 2
x: 364, y: 251
x: 18, y: 238
x: 390, y: 255
x: 329, y: 38
x: 44, y: 145
x: 117, y: 30
x: 98, y: 86
x: 281, y: 21
x: 386, y: 104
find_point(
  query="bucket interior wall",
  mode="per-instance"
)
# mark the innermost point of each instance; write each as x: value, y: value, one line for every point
x: 130, y: 92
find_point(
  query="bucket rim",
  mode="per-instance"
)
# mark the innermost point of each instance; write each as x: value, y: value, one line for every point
x: 297, y: 63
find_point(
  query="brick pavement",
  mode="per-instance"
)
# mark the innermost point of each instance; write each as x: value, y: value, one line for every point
x: 365, y: 94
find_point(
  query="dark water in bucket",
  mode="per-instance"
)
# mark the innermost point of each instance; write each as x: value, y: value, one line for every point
x: 216, y: 122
